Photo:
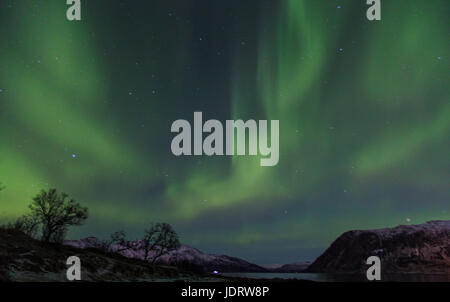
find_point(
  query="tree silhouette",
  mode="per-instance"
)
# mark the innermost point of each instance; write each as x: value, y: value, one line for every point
x: 56, y: 212
x: 159, y: 239
x: 118, y: 243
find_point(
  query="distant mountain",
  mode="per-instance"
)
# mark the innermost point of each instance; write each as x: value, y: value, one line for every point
x: 185, y: 254
x: 297, y: 267
x: 423, y: 248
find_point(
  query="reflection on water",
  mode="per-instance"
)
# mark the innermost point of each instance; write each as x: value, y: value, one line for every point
x: 344, y: 277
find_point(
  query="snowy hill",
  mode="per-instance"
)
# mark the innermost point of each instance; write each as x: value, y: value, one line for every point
x: 423, y: 248
x: 186, y: 254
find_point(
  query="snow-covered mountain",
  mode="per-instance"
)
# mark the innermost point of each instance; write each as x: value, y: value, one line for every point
x: 185, y: 254
x: 423, y: 248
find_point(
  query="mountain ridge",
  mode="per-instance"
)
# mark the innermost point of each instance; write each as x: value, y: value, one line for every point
x: 422, y: 248
x: 186, y: 254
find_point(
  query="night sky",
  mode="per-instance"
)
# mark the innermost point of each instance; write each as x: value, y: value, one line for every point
x: 86, y: 107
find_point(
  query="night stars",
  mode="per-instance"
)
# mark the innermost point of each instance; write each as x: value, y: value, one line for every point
x: 362, y: 109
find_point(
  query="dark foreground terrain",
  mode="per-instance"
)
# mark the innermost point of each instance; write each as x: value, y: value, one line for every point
x: 25, y: 259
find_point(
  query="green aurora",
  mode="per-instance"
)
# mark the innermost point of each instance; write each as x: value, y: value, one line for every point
x: 364, y: 112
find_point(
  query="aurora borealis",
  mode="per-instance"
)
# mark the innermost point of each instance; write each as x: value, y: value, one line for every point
x: 86, y: 107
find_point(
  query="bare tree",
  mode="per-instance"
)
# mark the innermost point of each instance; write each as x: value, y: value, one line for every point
x: 56, y: 212
x: 159, y: 239
x: 118, y: 240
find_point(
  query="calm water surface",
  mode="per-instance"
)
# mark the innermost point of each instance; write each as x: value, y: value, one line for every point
x: 343, y: 277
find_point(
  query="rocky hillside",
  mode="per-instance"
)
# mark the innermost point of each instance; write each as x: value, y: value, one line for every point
x: 185, y: 254
x: 25, y: 259
x: 423, y: 248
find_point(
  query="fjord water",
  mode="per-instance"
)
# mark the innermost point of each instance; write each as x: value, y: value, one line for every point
x: 344, y: 277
